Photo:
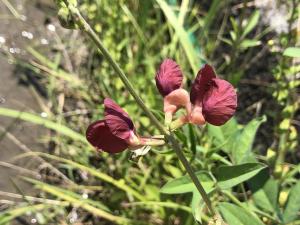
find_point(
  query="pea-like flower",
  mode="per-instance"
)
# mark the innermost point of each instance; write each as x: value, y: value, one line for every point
x: 211, y: 99
x: 169, y: 83
x: 214, y: 100
x: 116, y: 132
x: 99, y: 135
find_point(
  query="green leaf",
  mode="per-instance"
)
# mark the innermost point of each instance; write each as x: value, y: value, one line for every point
x: 292, y: 208
x: 184, y: 184
x: 235, y: 215
x: 96, y: 208
x: 197, y: 206
x: 292, y: 52
x: 251, y: 23
x: 229, y: 176
x: 265, y: 191
x: 242, y: 148
x: 212, y: 13
x: 247, y: 43
x: 224, y: 136
x: 96, y: 173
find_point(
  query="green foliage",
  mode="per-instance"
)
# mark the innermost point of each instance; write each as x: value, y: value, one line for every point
x: 184, y: 184
x: 235, y: 215
x: 292, y: 52
x: 229, y: 176
x: 265, y: 192
x: 246, y: 185
x: 291, y: 210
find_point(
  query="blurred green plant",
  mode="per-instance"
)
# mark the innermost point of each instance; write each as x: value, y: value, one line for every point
x: 138, y: 35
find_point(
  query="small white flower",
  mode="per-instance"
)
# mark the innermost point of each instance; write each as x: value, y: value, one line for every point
x: 141, y: 151
x: 2, y: 40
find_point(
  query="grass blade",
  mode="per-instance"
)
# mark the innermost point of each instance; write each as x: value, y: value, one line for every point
x: 118, y: 183
x: 190, y: 52
x: 30, y: 117
x: 65, y: 195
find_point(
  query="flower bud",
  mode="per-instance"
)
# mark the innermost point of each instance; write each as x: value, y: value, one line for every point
x: 64, y: 15
x: 169, y: 77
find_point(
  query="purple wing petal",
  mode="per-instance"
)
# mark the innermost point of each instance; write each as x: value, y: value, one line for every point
x: 219, y: 102
x: 117, y: 120
x: 99, y: 135
x: 201, y: 83
x: 169, y: 77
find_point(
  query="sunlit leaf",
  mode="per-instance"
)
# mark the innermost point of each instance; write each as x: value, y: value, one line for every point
x: 292, y: 208
x: 253, y: 21
x: 184, y: 184
x: 265, y: 191
x: 292, y: 52
x: 236, y: 215
x: 242, y: 147
x: 229, y: 176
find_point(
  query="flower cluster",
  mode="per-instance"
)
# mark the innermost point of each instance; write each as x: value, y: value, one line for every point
x: 211, y: 100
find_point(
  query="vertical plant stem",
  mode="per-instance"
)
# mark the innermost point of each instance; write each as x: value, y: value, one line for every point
x: 81, y: 22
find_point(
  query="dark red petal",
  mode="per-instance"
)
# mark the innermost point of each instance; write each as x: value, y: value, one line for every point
x: 117, y: 120
x: 169, y: 77
x: 201, y: 83
x: 99, y: 135
x: 219, y: 102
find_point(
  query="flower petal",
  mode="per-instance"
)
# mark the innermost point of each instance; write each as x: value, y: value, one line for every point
x: 169, y: 77
x: 219, y: 102
x: 99, y: 135
x: 118, y: 120
x: 201, y: 83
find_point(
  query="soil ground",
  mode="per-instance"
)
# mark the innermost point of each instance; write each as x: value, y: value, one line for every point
x: 16, y: 94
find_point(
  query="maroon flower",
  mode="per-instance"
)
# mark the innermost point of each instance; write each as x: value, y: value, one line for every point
x: 201, y: 83
x: 169, y: 77
x: 115, y: 133
x: 212, y: 97
x: 99, y: 135
x: 118, y: 120
x: 169, y: 82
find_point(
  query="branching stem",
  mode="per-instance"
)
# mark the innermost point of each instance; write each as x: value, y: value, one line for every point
x: 82, y: 23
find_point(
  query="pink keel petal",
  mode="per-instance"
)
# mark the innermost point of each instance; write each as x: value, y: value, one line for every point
x: 169, y: 77
x: 118, y: 120
x: 99, y: 135
x: 201, y: 83
x: 219, y: 102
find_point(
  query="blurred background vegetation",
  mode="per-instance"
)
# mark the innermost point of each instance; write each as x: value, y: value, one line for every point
x: 55, y: 177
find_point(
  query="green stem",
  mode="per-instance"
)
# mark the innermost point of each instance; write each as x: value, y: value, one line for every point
x: 90, y: 32
x: 178, y: 123
x: 152, y: 141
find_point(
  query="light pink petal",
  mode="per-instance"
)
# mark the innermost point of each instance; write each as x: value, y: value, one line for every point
x: 99, y: 135
x: 201, y: 83
x: 169, y: 77
x: 219, y: 102
x: 117, y: 120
